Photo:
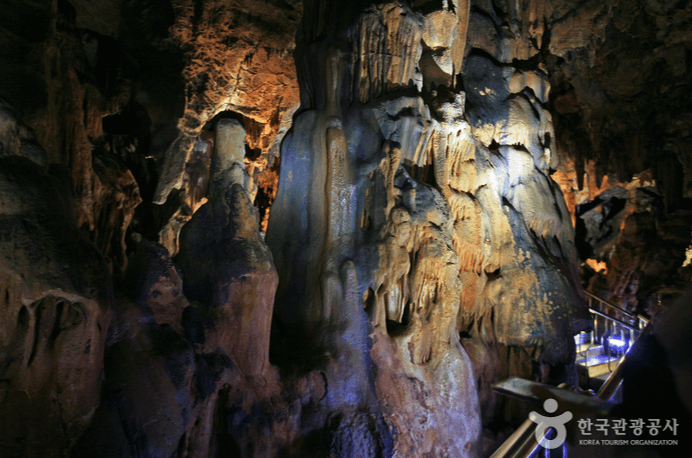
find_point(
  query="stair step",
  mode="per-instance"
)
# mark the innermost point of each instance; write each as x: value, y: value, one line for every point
x: 597, y: 365
x: 594, y: 360
x: 582, y: 338
x: 583, y: 347
x: 595, y: 350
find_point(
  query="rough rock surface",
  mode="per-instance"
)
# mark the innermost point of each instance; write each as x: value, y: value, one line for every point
x: 620, y: 104
x: 50, y: 93
x: 238, y: 58
x: 226, y: 263
x: 56, y: 299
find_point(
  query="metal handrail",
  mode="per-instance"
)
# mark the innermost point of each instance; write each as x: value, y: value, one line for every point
x: 615, y: 307
x: 612, y: 383
x: 517, y: 444
x: 611, y: 325
x: 522, y: 443
x: 620, y: 322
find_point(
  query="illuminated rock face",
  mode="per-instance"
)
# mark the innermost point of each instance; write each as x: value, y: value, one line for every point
x: 438, y: 221
x: 238, y: 58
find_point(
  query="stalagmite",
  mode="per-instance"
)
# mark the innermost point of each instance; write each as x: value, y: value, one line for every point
x: 226, y: 265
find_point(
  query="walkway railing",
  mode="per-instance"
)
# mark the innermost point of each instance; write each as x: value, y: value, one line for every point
x: 615, y: 334
x: 614, y: 331
x: 621, y: 316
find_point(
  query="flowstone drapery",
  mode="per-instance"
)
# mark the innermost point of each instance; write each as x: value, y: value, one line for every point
x: 447, y: 220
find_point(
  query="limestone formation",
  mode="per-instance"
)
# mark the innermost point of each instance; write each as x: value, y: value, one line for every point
x: 17, y: 139
x: 239, y: 59
x: 69, y: 121
x: 56, y: 304
x: 448, y: 208
x: 225, y: 263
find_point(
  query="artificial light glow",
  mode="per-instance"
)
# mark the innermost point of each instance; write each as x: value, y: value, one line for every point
x: 596, y: 360
x: 581, y: 338
x: 597, y: 266
x: 615, y: 342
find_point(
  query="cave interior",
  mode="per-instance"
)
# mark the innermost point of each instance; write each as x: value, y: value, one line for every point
x: 314, y: 228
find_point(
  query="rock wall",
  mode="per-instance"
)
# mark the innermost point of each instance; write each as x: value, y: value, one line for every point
x: 56, y: 305
x: 621, y: 110
x: 417, y: 168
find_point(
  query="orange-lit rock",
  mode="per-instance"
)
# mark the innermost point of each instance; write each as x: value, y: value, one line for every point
x: 239, y: 58
x: 597, y: 266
